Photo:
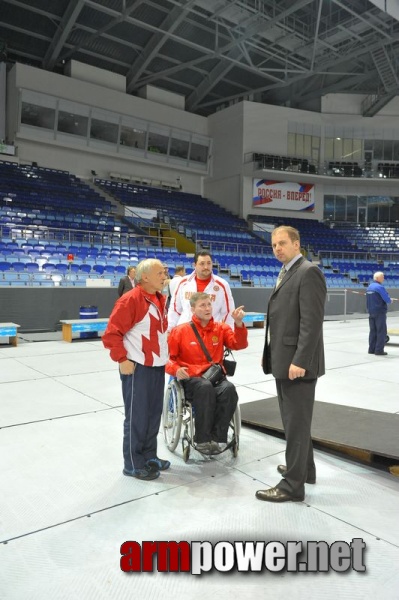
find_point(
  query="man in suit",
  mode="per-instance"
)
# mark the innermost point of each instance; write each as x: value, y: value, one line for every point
x: 127, y: 283
x: 294, y: 354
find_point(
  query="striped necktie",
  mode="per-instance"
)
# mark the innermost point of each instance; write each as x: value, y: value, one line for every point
x: 281, y: 276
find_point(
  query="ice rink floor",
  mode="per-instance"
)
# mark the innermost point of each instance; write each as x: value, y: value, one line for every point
x: 66, y: 508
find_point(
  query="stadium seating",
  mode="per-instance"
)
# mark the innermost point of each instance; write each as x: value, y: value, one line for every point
x: 47, y: 223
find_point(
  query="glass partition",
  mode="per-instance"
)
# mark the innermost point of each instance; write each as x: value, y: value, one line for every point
x: 96, y: 128
x: 133, y: 133
x: 38, y: 111
x: 199, y: 150
x: 37, y: 116
x: 179, y: 145
x: 73, y: 118
x: 380, y: 209
x: 158, y: 139
x: 104, y: 126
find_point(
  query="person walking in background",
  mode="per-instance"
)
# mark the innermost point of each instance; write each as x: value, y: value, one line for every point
x: 377, y: 299
x: 127, y: 282
x: 294, y: 354
x: 201, y: 280
x: 137, y: 339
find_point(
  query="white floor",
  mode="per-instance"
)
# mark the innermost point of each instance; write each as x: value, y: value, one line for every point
x: 66, y: 508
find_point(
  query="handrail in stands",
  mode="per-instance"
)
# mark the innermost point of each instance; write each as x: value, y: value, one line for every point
x: 60, y: 234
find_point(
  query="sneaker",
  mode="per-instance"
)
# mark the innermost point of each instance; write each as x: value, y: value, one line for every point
x: 146, y: 474
x: 215, y: 448
x: 204, y: 447
x: 157, y: 464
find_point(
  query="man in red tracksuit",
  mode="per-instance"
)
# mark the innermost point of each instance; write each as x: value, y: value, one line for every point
x: 136, y: 337
x: 214, y: 405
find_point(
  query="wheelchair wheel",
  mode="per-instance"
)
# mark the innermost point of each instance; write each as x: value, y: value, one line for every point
x: 234, y: 449
x: 235, y: 426
x: 172, y: 414
x: 186, y: 453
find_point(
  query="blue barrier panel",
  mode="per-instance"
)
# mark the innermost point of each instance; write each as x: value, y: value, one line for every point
x: 257, y: 319
x: 88, y: 312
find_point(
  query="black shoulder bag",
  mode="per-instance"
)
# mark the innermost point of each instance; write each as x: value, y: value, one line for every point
x: 215, y: 373
x: 229, y: 364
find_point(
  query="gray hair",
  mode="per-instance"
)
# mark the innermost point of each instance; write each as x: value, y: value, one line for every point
x: 377, y: 275
x: 144, y: 266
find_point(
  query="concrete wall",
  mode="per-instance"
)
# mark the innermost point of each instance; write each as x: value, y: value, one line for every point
x: 38, y: 308
x: 80, y: 162
x: 101, y: 77
x: 73, y: 155
x: 3, y: 86
x: 240, y: 129
x: 224, y: 185
x: 93, y: 94
x: 253, y: 127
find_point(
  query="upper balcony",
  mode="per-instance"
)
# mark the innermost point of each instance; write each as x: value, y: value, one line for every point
x: 373, y: 169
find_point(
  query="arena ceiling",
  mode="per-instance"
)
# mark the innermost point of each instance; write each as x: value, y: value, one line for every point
x: 217, y: 52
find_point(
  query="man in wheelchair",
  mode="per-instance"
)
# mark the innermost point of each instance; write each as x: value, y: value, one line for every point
x: 214, y: 403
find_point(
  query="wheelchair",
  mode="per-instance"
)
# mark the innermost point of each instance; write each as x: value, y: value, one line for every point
x: 178, y: 414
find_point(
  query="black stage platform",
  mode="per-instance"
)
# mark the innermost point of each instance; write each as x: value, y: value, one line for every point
x: 365, y: 434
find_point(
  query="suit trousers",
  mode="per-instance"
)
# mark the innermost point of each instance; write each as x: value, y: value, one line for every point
x: 296, y: 401
x: 378, y: 332
x: 143, y: 398
x: 213, y: 406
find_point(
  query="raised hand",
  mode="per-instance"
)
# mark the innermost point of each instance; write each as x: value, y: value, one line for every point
x: 238, y: 314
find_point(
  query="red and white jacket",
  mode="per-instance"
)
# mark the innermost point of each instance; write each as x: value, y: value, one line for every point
x: 136, y: 329
x: 185, y: 350
x: 217, y: 288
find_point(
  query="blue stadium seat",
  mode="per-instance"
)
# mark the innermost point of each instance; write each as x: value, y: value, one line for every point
x: 99, y: 269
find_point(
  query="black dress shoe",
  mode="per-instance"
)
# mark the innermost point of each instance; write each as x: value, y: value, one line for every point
x: 282, y: 469
x: 381, y: 353
x: 277, y: 495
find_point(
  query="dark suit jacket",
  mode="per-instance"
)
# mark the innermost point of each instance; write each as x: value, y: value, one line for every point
x: 125, y: 285
x: 295, y: 316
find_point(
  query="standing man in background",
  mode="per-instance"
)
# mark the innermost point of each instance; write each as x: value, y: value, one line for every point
x: 377, y: 299
x: 127, y: 283
x: 165, y: 290
x: 136, y: 337
x: 180, y: 271
x: 294, y: 354
x: 201, y: 280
